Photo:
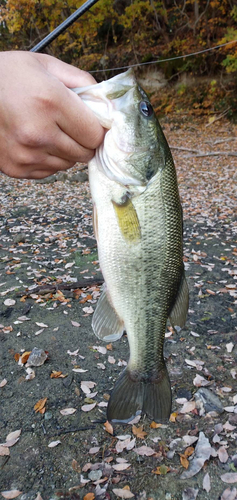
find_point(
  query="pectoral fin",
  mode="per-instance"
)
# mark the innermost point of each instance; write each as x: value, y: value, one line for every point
x: 128, y: 221
x: 106, y: 323
x: 180, y: 309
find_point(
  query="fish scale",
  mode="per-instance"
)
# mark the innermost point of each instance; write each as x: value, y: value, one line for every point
x: 138, y: 227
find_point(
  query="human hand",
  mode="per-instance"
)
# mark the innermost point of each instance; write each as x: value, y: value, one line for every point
x: 44, y: 126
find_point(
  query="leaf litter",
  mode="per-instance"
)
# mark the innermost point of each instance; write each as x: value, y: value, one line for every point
x: 59, y: 250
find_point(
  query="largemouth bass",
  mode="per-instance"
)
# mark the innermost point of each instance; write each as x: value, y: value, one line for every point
x: 138, y: 228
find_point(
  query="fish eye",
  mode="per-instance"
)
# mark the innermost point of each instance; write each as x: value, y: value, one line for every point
x: 146, y: 108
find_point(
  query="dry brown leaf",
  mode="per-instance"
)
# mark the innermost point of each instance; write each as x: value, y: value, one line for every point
x: 109, y: 428
x: 89, y: 496
x: 75, y: 465
x: 154, y: 425
x: 17, y: 356
x: 109, y: 347
x: 40, y: 405
x: 161, y: 470
x: 139, y: 432
x: 3, y: 382
x: 184, y: 461
x: 173, y: 417
x: 24, y: 357
x: 189, y: 451
x: 11, y: 494
x: 56, y: 374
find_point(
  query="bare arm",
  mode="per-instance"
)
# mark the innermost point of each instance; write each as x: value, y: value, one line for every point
x: 44, y: 126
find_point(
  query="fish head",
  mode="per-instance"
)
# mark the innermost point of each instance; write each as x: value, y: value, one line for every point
x: 132, y: 152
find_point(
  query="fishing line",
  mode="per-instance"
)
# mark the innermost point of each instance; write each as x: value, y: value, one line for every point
x: 165, y: 60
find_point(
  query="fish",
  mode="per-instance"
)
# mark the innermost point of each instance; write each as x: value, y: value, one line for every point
x: 137, y: 220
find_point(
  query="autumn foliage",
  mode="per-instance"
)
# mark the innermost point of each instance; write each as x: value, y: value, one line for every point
x: 123, y: 32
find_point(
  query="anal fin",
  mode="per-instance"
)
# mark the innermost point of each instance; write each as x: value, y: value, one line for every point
x: 105, y: 322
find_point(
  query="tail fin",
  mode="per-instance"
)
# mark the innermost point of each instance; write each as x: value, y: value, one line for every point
x: 131, y: 396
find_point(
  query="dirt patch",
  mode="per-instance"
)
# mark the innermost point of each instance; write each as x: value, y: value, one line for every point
x: 47, y: 239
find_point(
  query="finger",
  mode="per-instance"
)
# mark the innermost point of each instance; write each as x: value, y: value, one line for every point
x: 66, y: 148
x: 66, y: 73
x: 37, y: 170
x: 78, y: 121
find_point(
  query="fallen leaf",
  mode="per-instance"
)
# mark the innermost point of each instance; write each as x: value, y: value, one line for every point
x: 24, y: 357
x: 75, y: 465
x: 87, y: 385
x: 200, y: 381
x: 190, y: 494
x: 109, y: 428
x: 38, y: 497
x: 139, y: 432
x: 40, y: 405
x: 11, y: 494
x: 4, y: 450
x: 75, y: 323
x: 202, y: 453
x: 206, y: 484
x: 121, y: 445
x: 3, y: 382
x: 68, y: 411
x: 229, y: 477
x: 120, y: 467
x: 222, y: 454
x: 230, y: 347
x: 94, y: 450
x: 88, y: 310
x: 229, y: 494
x: 89, y: 496
x: 145, y: 451
x: 184, y: 461
x: 89, y: 407
x: 42, y: 325
x: 154, y: 425
x: 56, y: 374
x: 111, y: 360
x: 13, y: 435
x: 161, y: 470
x: 188, y: 407
x: 54, y: 443
x: 173, y: 417
x: 9, y: 302
x: 122, y: 493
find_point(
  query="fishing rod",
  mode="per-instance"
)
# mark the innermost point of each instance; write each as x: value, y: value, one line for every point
x: 63, y: 26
